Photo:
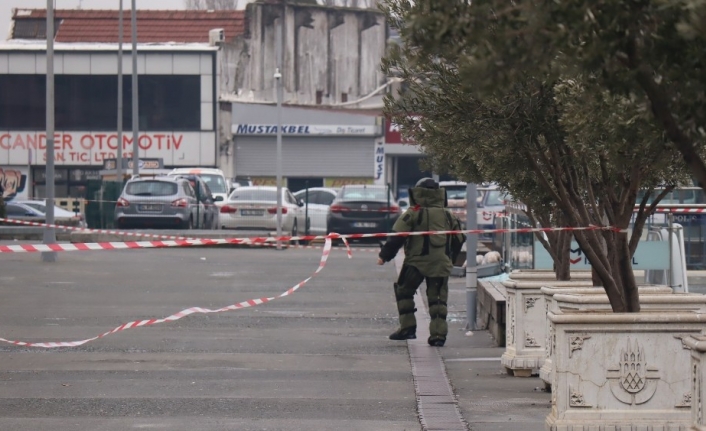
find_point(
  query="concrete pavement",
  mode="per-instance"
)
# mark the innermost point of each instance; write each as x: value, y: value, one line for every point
x: 317, y: 360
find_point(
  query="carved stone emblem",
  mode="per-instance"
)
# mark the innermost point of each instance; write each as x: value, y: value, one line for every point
x: 633, y: 382
x: 576, y: 398
x: 685, y: 401
x: 576, y: 343
x: 529, y: 302
x: 530, y: 341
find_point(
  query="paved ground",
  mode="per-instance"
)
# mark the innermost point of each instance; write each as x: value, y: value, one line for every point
x: 316, y: 360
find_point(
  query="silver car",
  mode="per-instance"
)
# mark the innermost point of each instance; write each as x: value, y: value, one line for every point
x: 158, y: 202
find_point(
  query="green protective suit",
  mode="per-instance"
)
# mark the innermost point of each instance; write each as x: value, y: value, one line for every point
x: 427, y: 257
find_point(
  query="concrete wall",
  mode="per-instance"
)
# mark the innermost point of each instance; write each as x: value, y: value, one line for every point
x: 330, y: 55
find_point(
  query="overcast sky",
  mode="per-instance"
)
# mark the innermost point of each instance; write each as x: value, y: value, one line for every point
x: 7, y: 5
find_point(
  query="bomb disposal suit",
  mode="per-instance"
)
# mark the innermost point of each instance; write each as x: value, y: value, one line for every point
x: 427, y: 257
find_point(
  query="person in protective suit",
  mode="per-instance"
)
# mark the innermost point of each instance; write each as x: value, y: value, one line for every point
x: 427, y: 257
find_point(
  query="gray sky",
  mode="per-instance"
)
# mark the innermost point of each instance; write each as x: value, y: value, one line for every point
x: 7, y: 5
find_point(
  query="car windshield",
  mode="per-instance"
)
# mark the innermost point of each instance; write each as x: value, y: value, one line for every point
x: 215, y: 183
x: 254, y: 195
x: 496, y: 198
x: 151, y: 188
x: 37, y: 206
x: 365, y: 193
x: 455, y: 192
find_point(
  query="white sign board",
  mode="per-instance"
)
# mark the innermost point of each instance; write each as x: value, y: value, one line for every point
x: 379, y: 172
x: 91, y: 148
x: 304, y: 130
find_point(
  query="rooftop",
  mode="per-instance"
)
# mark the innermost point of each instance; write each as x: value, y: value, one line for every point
x: 153, y: 26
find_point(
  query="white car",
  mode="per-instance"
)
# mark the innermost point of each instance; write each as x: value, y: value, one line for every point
x: 214, y: 178
x: 255, y: 207
x: 316, y: 205
x: 60, y: 214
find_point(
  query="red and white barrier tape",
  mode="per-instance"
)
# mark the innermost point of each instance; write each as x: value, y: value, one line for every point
x: 85, y: 229
x: 183, y: 313
x: 34, y: 248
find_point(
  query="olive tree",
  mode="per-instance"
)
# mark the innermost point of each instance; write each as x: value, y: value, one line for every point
x: 559, y: 140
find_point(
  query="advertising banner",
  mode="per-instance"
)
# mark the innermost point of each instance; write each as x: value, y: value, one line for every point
x: 92, y: 148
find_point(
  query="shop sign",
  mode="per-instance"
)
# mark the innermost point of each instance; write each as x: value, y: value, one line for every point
x: 92, y: 148
x: 14, y: 182
x: 340, y: 182
x: 266, y: 181
x: 379, y: 172
x: 648, y: 255
x: 393, y: 133
x: 110, y: 164
x: 304, y: 130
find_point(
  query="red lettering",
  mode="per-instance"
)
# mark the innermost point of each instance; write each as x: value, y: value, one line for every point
x: 145, y: 142
x: 66, y: 141
x: 112, y: 138
x: 159, y: 141
x: 100, y: 137
x: 59, y: 157
x: 19, y: 143
x: 177, y: 142
x: 5, y: 141
x: 84, y: 157
x: 43, y: 142
x: 31, y: 141
x: 87, y: 142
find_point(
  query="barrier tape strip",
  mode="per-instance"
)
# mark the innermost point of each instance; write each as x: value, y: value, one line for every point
x: 86, y: 229
x: 34, y: 248
x: 184, y: 313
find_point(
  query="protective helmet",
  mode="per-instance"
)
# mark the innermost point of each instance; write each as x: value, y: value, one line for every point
x: 427, y: 183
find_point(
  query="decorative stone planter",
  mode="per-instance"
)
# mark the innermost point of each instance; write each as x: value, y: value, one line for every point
x: 545, y: 372
x: 697, y: 344
x: 622, y: 370
x: 525, y: 328
x: 546, y: 275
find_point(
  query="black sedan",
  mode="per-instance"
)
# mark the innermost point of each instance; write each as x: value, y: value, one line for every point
x: 363, y: 209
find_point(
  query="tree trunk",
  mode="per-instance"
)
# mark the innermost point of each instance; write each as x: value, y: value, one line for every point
x: 625, y: 274
x: 562, y: 263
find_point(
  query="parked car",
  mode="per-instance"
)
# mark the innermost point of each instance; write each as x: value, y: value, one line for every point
x: 160, y: 201
x: 61, y: 215
x: 456, y: 196
x: 255, y: 207
x: 23, y: 211
x: 363, y: 209
x: 317, y: 201
x: 203, y: 194
x: 214, y: 178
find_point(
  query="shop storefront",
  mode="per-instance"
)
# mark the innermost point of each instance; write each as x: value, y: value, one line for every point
x: 320, y: 148
x: 177, y: 94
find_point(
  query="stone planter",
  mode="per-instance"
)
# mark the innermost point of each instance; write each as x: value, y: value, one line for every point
x: 545, y: 372
x: 697, y: 344
x: 546, y: 275
x: 616, y: 371
x: 525, y: 317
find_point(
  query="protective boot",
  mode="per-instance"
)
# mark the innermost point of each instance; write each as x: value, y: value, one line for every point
x: 404, y: 334
x: 436, y: 342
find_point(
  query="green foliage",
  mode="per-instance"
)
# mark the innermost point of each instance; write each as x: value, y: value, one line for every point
x: 487, y: 100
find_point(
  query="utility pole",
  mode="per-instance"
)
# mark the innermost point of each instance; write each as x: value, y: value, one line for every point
x: 49, y: 235
x: 278, y: 83
x: 135, y: 106
x: 119, y: 157
x: 471, y: 249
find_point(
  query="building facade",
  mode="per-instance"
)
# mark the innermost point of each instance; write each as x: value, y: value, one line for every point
x: 320, y: 148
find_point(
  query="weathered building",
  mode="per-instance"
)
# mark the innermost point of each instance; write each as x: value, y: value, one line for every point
x: 331, y: 56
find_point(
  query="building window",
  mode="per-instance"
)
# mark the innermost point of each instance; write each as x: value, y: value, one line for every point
x: 89, y: 102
